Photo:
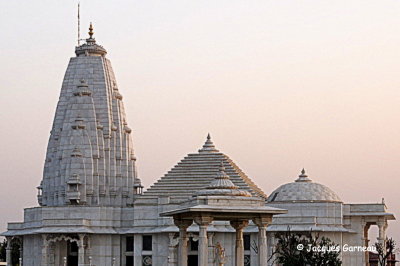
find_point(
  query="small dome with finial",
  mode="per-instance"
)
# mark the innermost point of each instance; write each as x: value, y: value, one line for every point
x: 222, y: 180
x: 222, y: 186
x: 303, y: 190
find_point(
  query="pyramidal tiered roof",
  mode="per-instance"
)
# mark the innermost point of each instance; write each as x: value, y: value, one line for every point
x: 90, y: 158
x: 198, y: 171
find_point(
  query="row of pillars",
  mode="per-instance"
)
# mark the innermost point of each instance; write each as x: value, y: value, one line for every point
x: 382, y: 226
x: 203, y: 222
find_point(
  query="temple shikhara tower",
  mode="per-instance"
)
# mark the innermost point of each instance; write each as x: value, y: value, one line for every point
x: 89, y: 180
x: 90, y: 159
x: 205, y: 211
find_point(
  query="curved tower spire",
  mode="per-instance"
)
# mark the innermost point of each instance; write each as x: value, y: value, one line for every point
x: 90, y: 158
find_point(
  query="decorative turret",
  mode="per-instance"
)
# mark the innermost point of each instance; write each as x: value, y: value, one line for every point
x: 90, y: 158
x: 222, y: 180
x: 222, y: 186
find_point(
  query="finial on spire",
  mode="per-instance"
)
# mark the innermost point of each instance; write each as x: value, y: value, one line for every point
x: 209, y: 145
x: 91, y: 31
x: 90, y: 47
x: 303, y: 177
x: 303, y: 172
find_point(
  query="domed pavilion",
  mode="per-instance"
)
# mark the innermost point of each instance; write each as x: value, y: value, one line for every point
x: 315, y: 207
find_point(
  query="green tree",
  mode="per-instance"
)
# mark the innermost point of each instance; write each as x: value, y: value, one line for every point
x: 305, y: 249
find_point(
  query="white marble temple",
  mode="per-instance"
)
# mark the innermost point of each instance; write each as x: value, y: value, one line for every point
x: 92, y: 210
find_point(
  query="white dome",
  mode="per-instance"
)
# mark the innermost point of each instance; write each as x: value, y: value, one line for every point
x: 303, y: 190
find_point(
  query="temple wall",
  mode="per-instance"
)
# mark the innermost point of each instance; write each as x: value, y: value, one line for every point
x: 32, y: 250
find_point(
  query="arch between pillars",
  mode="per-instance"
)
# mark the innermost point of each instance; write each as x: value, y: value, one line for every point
x: 366, y: 223
x: 62, y: 238
x: 82, y: 241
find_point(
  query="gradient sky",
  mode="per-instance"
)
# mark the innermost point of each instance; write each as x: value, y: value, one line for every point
x: 280, y: 85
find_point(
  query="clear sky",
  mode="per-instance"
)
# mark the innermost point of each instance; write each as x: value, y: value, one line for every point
x: 280, y: 85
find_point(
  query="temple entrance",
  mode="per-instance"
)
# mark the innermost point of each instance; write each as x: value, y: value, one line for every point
x: 63, y: 250
x: 64, y: 253
x: 193, y: 246
x: 193, y: 260
x: 72, y: 253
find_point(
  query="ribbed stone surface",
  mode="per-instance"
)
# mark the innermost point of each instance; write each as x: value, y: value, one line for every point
x: 197, y: 171
x: 90, y: 158
x: 303, y: 190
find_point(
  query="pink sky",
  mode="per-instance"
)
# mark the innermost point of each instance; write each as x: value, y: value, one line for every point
x: 280, y: 85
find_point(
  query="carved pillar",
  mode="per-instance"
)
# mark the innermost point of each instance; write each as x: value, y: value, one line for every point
x: 81, y: 251
x: 51, y: 254
x: 366, y: 227
x: 21, y: 251
x: 211, y: 252
x: 203, y: 222
x: 45, y: 247
x: 272, y: 248
x: 172, y: 249
x: 137, y: 251
x: 88, y: 249
x: 382, y: 226
x: 183, y: 240
x: 262, y: 223
x: 8, y: 251
x: 239, y: 225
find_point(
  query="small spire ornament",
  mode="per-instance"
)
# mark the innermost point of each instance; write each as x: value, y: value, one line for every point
x: 303, y: 177
x: 91, y: 31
